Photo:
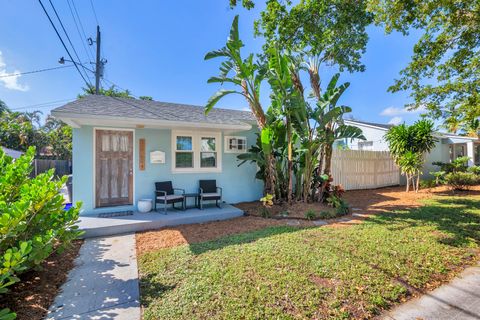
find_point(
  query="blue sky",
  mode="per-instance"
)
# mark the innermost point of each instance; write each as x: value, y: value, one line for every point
x: 156, y: 48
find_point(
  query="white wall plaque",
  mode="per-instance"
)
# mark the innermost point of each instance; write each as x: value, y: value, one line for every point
x: 157, y: 157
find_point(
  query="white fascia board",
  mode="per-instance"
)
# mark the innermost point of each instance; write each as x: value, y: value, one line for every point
x: 77, y: 120
x: 358, y: 124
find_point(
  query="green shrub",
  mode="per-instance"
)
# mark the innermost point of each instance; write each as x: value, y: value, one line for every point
x: 457, y: 165
x: 327, y: 215
x: 265, y: 213
x: 428, y: 183
x: 310, y: 214
x: 461, y: 180
x: 33, y: 222
x: 474, y: 170
x: 343, y: 208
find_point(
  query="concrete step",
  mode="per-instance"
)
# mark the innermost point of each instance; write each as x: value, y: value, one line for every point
x: 100, y: 227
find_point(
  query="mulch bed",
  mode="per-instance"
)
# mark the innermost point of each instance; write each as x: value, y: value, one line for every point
x: 364, y: 202
x: 33, y: 295
x: 281, y: 211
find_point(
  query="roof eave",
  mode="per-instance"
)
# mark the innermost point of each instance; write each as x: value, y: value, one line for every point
x: 76, y: 120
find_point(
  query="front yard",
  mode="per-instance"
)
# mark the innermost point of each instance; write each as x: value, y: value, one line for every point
x: 280, y: 271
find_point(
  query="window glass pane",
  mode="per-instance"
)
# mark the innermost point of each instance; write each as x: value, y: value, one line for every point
x: 183, y: 160
x: 184, y: 143
x: 241, y: 144
x: 207, y: 144
x: 208, y: 159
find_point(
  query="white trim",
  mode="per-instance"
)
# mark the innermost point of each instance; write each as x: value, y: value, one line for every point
x: 95, y: 163
x: 361, y: 124
x: 196, y: 136
x: 227, y: 144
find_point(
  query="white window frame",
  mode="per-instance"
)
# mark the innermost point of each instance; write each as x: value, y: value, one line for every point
x: 196, y: 144
x: 227, y: 144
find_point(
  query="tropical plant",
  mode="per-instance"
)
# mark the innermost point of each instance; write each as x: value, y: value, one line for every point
x: 33, y: 222
x: 295, y: 144
x: 408, y: 146
x: 247, y: 76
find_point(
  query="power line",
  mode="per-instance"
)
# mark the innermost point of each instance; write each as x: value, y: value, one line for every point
x: 66, y: 33
x: 94, y: 12
x: 34, y: 71
x: 43, y: 104
x: 63, y: 43
x: 81, y: 27
x: 84, y: 38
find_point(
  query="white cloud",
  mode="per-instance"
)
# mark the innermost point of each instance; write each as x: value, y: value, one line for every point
x: 9, y: 80
x: 395, y: 121
x: 395, y: 111
x: 245, y: 109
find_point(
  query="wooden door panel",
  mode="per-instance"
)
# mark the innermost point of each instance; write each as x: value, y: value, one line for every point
x: 114, y: 168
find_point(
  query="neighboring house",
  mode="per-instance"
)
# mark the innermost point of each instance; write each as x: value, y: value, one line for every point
x: 12, y: 153
x: 448, y: 147
x: 122, y: 146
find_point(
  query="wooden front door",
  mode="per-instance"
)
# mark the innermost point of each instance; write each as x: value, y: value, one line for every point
x: 113, y: 168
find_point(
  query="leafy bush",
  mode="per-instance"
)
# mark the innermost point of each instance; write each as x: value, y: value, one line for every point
x: 310, y: 215
x: 343, y: 208
x: 33, y: 222
x: 327, y: 215
x: 461, y: 180
x: 265, y: 213
x: 457, y: 165
x: 427, y: 184
x: 474, y: 170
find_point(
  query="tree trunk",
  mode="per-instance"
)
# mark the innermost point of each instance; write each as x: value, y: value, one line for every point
x: 259, y: 114
x: 418, y: 182
x: 408, y: 182
x: 290, y: 163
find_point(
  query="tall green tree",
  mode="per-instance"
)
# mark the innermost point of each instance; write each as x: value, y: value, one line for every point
x: 332, y: 31
x: 444, y: 72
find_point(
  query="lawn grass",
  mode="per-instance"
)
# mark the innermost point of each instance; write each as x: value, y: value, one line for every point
x: 291, y: 273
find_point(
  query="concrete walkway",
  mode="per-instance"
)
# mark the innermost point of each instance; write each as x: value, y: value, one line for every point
x: 104, y: 283
x: 457, y: 300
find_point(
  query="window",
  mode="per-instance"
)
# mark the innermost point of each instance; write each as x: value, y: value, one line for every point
x: 208, y: 156
x: 235, y: 144
x: 184, y: 152
x: 196, y: 152
x: 365, y: 145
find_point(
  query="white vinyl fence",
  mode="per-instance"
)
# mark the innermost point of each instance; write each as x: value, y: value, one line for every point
x: 357, y: 169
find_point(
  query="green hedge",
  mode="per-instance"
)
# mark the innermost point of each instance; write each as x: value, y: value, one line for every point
x: 33, y: 222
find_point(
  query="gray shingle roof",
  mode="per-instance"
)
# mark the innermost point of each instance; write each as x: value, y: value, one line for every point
x: 96, y: 105
x: 380, y: 125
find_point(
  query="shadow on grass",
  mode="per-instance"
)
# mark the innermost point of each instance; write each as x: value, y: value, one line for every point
x: 199, y: 248
x: 457, y: 218
x: 151, y: 289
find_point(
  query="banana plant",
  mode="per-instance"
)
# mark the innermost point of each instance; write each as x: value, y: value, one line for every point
x: 246, y: 75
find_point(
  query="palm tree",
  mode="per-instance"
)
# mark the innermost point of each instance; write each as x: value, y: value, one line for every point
x: 248, y: 76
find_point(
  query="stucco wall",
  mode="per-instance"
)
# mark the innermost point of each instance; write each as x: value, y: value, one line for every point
x: 372, y: 134
x: 238, y: 183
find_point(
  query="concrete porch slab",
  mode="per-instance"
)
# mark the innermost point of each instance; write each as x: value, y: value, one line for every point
x: 100, y: 227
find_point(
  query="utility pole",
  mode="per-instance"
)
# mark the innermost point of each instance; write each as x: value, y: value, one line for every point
x: 98, y: 63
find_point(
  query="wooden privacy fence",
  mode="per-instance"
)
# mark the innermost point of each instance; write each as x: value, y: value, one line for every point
x: 62, y: 167
x: 357, y: 169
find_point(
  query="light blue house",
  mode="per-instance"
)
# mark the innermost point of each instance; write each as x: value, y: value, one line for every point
x: 122, y: 146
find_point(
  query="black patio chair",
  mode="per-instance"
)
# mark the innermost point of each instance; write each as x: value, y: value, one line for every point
x: 209, y: 191
x: 165, y: 194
